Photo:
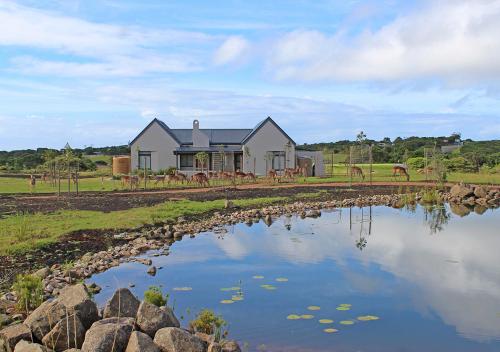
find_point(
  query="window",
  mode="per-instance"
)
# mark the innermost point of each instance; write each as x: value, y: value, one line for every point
x: 186, y: 160
x: 145, y: 160
x: 277, y: 160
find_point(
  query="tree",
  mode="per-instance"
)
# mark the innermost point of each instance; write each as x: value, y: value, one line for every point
x: 361, y: 137
x: 202, y: 158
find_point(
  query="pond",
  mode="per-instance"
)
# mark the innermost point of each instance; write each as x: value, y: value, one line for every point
x: 390, y: 280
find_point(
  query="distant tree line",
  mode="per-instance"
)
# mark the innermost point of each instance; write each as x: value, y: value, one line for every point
x: 31, y: 159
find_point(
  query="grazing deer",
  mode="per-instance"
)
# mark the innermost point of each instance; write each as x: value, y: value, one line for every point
x: 182, y: 177
x: 201, y: 179
x: 159, y: 178
x: 250, y: 176
x: 173, y: 178
x: 401, y: 171
x: 357, y: 171
x: 32, y: 183
x: 272, y: 174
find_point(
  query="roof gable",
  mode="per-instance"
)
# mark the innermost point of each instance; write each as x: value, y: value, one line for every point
x: 162, y: 124
x: 262, y: 124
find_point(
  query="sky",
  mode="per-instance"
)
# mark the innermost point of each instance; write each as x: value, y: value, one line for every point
x: 94, y: 73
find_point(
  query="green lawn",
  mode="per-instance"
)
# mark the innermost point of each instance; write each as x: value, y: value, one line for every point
x: 19, y: 233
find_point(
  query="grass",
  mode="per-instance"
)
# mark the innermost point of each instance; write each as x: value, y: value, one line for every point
x: 44, y: 229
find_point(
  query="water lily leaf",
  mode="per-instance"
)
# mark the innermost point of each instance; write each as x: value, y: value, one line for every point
x: 346, y: 322
x: 368, y: 318
x: 307, y: 316
x: 343, y: 308
x: 183, y: 288
x: 282, y: 279
x: 325, y: 321
x: 293, y: 317
x: 227, y: 301
x: 237, y: 298
x: 345, y: 305
x: 258, y: 277
x: 268, y: 287
x: 330, y: 330
x: 234, y: 288
x: 313, y: 308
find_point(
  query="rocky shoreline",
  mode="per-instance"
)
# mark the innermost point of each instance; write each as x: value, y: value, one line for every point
x: 462, y: 199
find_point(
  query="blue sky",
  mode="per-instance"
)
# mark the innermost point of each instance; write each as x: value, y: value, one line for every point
x: 96, y: 72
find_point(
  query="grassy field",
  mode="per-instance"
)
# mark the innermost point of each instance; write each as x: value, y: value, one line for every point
x: 19, y: 233
x: 381, y: 172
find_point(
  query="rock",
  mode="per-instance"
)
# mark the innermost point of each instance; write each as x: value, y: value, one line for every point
x: 178, y: 340
x: 140, y: 342
x: 459, y: 209
x: 208, y: 339
x: 11, y: 335
x: 461, y: 191
x: 313, y: 213
x: 214, y: 347
x: 122, y: 304
x: 151, y: 318
x: 480, y: 192
x: 45, y: 317
x: 108, y: 335
x: 230, y: 346
x: 152, y: 271
x: 77, y: 299
x: 25, y: 346
x: 480, y: 209
x: 68, y: 333
x: 228, y: 204
x: 43, y: 273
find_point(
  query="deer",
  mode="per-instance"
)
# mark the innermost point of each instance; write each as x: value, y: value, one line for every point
x: 250, y: 176
x: 401, y: 171
x: 201, y: 179
x: 272, y: 174
x: 182, y: 177
x: 357, y: 171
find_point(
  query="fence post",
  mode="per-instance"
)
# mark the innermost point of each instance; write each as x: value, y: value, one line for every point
x: 371, y: 162
x: 350, y: 166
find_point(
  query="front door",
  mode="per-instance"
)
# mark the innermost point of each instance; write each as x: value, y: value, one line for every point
x: 237, y: 161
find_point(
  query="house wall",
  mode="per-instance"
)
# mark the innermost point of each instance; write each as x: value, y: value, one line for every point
x: 268, y: 138
x: 159, y: 143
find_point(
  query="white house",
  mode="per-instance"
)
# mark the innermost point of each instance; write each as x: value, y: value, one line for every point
x: 256, y: 150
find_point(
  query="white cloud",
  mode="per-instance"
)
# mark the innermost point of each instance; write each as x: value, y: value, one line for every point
x: 455, y: 41
x: 233, y: 49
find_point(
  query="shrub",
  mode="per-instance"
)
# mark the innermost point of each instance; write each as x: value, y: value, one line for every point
x: 208, y: 322
x: 29, y: 291
x: 154, y: 296
x: 459, y: 164
x: 416, y: 163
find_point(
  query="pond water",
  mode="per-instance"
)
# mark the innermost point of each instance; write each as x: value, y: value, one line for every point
x: 431, y: 278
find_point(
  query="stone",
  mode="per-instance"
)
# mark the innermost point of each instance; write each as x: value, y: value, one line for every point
x: 459, y: 209
x: 214, y: 347
x: 178, y: 340
x: 230, y: 346
x: 140, y: 342
x: 68, y: 333
x: 108, y: 335
x: 25, y: 346
x: 480, y: 192
x: 43, y: 272
x: 461, y: 191
x: 11, y: 335
x: 45, y: 317
x: 151, y: 318
x: 152, y: 270
x: 77, y: 300
x: 122, y: 304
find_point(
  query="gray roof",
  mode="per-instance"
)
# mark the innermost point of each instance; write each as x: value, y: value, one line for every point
x: 215, y: 136
x: 190, y: 149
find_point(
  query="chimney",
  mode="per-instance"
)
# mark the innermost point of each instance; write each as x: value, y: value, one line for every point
x: 199, y: 138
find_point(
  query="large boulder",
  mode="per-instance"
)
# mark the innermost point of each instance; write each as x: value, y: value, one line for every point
x: 122, y: 304
x: 25, y: 346
x: 461, y: 191
x: 459, y: 209
x: 76, y: 299
x: 151, y: 318
x: 480, y: 192
x: 69, y: 332
x: 140, y: 342
x: 108, y: 335
x: 178, y: 340
x: 11, y: 335
x: 230, y: 346
x: 45, y: 317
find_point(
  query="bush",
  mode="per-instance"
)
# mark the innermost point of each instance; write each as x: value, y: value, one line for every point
x: 416, y: 163
x: 459, y: 164
x: 29, y: 291
x: 208, y: 322
x: 154, y: 296
x: 101, y: 163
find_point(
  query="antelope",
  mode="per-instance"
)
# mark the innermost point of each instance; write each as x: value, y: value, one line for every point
x: 159, y: 178
x: 251, y: 176
x: 357, y: 171
x: 273, y: 174
x: 401, y: 171
x: 201, y: 179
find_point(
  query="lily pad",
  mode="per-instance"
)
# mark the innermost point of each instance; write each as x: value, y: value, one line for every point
x: 234, y: 288
x: 346, y: 322
x: 258, y: 277
x: 307, y: 316
x: 330, y: 330
x: 313, y: 308
x: 345, y: 305
x: 325, y: 321
x: 183, y: 288
x: 368, y: 318
x: 268, y: 287
x: 237, y: 298
x: 293, y: 317
x: 343, y: 308
x: 282, y: 279
x: 227, y: 301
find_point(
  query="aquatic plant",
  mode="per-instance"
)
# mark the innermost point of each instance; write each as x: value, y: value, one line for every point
x: 293, y: 317
x: 313, y: 308
x: 154, y: 296
x: 325, y: 321
x: 346, y: 322
x: 368, y: 318
x: 208, y: 322
x: 29, y: 291
x: 330, y: 330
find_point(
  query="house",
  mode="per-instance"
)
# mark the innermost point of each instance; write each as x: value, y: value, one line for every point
x: 257, y: 150
x: 312, y: 161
